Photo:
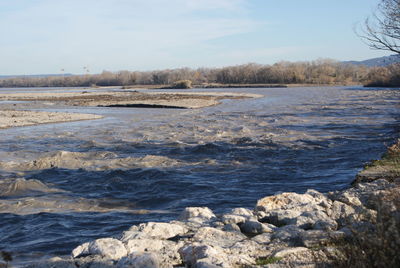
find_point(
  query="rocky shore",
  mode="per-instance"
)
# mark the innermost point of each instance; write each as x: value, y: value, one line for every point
x: 284, y: 230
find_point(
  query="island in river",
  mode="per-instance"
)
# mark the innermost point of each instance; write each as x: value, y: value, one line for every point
x: 11, y: 104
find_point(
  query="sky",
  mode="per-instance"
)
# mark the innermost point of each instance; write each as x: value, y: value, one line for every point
x: 72, y: 36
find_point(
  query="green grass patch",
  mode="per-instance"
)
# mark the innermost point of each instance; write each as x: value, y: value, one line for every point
x: 388, y: 166
x: 267, y: 260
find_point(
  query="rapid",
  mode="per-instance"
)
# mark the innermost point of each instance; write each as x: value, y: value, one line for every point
x: 67, y: 183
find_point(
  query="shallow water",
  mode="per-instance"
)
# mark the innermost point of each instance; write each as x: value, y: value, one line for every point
x: 64, y: 184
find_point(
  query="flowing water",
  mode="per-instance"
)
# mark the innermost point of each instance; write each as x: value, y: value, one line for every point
x: 68, y: 183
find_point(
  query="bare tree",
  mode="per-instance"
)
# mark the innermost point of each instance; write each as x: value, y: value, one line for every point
x: 382, y: 30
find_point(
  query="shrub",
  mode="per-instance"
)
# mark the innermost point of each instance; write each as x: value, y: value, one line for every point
x: 378, y: 245
x: 182, y: 84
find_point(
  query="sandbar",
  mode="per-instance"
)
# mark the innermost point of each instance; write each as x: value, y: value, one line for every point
x: 12, y: 118
x: 15, y: 107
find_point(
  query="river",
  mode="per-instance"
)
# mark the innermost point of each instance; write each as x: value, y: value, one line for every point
x: 68, y: 183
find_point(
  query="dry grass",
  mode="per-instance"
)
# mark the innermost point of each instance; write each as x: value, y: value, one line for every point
x: 378, y: 245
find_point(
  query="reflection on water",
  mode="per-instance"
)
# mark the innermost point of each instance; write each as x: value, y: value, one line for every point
x: 63, y: 184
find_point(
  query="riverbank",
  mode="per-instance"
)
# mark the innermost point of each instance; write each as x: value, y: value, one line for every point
x: 355, y: 226
x: 237, y: 85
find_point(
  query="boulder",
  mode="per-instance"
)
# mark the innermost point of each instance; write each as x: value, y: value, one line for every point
x: 350, y: 198
x: 289, y: 233
x: 280, y: 217
x: 167, y: 250
x: 142, y: 260
x: 244, y: 212
x: 160, y: 230
x: 93, y: 261
x: 284, y: 201
x: 108, y: 248
x: 232, y: 219
x: 213, y: 236
x: 264, y: 238
x: 231, y: 228
x: 206, y: 263
x: 204, y: 255
x: 50, y: 263
x: 288, y: 251
x: 80, y: 250
x: 217, y: 224
x: 199, y: 214
x: 342, y: 213
x: 360, y: 195
x: 303, y: 210
x: 245, y: 252
x: 325, y: 225
x: 319, y: 198
x: 300, y: 257
x: 309, y: 220
x: 314, y: 238
x: 254, y: 227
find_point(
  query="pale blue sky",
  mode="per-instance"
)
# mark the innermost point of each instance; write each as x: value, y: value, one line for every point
x: 45, y: 36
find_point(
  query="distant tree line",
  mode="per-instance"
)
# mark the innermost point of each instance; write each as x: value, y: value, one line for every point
x: 323, y: 71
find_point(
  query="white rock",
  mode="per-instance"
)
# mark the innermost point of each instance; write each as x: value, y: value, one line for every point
x: 308, y: 220
x: 281, y: 217
x: 242, y: 212
x: 168, y: 250
x: 50, y: 263
x: 284, y: 201
x: 213, y: 236
x: 148, y: 245
x: 205, y: 255
x: 319, y: 198
x: 109, y: 248
x: 206, y: 263
x: 159, y: 230
x: 217, y: 224
x: 232, y: 219
x: 80, y: 250
x: 326, y: 225
x: 349, y: 198
x: 288, y: 251
x: 255, y: 228
x: 288, y: 233
x: 376, y: 185
x: 314, y: 238
x: 292, y: 208
x: 360, y: 195
x: 95, y: 261
x: 197, y: 213
x: 264, y: 238
x: 231, y: 228
x: 340, y: 210
x: 195, y: 251
x: 141, y: 260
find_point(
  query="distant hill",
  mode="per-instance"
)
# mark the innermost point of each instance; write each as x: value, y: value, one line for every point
x: 381, y: 61
x: 34, y: 75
